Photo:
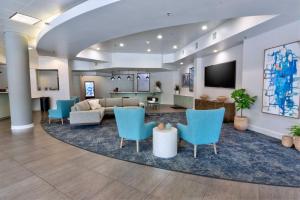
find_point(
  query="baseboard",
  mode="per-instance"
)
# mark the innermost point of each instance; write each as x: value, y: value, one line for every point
x: 265, y: 131
x: 22, y: 127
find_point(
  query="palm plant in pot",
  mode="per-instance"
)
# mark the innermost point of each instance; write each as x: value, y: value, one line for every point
x: 177, y: 89
x: 242, y: 101
x: 295, y: 131
x: 157, y: 87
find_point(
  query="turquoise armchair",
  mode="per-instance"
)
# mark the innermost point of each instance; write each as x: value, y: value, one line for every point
x: 131, y: 126
x: 204, y: 127
x: 62, y: 111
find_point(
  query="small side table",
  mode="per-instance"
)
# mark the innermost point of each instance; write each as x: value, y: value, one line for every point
x: 165, y: 142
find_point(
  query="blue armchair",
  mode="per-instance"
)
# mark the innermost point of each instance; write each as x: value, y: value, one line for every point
x: 62, y: 111
x: 131, y: 126
x: 204, y: 127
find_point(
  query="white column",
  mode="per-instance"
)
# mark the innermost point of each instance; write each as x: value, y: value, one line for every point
x: 17, y: 60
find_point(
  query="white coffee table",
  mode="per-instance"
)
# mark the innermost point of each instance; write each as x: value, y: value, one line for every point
x: 165, y: 142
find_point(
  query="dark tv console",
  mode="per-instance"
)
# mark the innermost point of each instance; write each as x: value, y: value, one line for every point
x: 207, y: 105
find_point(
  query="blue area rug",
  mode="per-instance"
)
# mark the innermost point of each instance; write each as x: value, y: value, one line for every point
x: 242, y: 156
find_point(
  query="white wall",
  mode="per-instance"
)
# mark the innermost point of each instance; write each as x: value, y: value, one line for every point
x: 168, y: 81
x: 185, y: 90
x: 136, y: 60
x: 3, y: 77
x: 234, y: 53
x: 253, y: 77
x: 2, y: 56
x: 61, y: 65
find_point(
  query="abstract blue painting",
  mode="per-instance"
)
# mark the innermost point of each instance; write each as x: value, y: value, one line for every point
x: 281, y: 91
x: 89, y: 89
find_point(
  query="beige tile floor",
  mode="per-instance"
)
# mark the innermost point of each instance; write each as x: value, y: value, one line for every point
x: 33, y: 165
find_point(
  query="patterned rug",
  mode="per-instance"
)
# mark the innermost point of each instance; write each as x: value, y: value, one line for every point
x: 242, y: 156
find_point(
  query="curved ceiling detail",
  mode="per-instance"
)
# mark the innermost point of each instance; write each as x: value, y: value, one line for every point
x: 96, y: 21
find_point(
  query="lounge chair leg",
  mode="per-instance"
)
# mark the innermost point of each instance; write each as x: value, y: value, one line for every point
x: 137, y: 146
x: 121, y: 144
x: 215, y: 149
x: 62, y: 121
x: 49, y: 121
x: 195, y: 151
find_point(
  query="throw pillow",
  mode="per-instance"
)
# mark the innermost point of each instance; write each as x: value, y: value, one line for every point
x: 94, y: 103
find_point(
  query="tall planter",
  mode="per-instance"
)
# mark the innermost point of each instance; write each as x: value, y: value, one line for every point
x: 295, y: 131
x: 296, y: 140
x: 241, y: 123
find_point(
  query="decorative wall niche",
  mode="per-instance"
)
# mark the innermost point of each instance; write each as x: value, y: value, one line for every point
x: 47, y: 79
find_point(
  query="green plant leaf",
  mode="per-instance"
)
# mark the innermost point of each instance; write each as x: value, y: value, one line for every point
x: 242, y: 99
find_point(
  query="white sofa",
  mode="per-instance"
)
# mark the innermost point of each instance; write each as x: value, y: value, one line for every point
x: 82, y: 114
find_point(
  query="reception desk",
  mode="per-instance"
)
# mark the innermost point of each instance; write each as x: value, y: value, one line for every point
x: 4, y: 105
x: 142, y: 96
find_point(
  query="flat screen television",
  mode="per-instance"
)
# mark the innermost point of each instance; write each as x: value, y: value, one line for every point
x: 220, y: 75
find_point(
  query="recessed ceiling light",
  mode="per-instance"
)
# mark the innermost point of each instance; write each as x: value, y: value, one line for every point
x: 204, y: 27
x: 24, y: 19
x: 159, y: 36
x: 181, y: 63
x: 98, y: 48
x: 30, y: 48
x: 147, y: 42
x: 215, y: 51
x: 148, y: 50
x: 121, y: 44
x: 175, y: 47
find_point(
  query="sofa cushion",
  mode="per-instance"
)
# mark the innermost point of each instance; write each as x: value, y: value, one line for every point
x: 102, y: 102
x: 94, y: 104
x: 111, y: 102
x: 82, y: 106
x: 130, y: 102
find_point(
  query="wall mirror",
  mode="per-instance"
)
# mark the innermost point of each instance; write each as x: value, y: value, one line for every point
x: 143, y: 82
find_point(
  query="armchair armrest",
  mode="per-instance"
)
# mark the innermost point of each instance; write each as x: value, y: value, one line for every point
x: 149, y: 128
x: 181, y: 127
x: 182, y: 131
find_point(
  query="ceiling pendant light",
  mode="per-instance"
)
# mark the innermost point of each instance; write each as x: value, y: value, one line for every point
x: 138, y: 77
x: 128, y: 77
x: 119, y: 77
x: 112, y: 77
x: 147, y: 77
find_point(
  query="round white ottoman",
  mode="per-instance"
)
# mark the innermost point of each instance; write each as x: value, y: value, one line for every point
x: 165, y: 142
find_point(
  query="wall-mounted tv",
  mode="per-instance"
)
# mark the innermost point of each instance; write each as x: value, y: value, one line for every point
x: 220, y: 75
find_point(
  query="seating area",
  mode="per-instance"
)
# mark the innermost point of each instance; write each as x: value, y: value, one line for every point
x: 93, y: 111
x: 149, y: 100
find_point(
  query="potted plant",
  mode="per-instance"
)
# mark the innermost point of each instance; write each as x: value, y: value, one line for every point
x: 177, y: 89
x: 295, y: 131
x: 287, y: 141
x: 157, y: 86
x: 242, y: 101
